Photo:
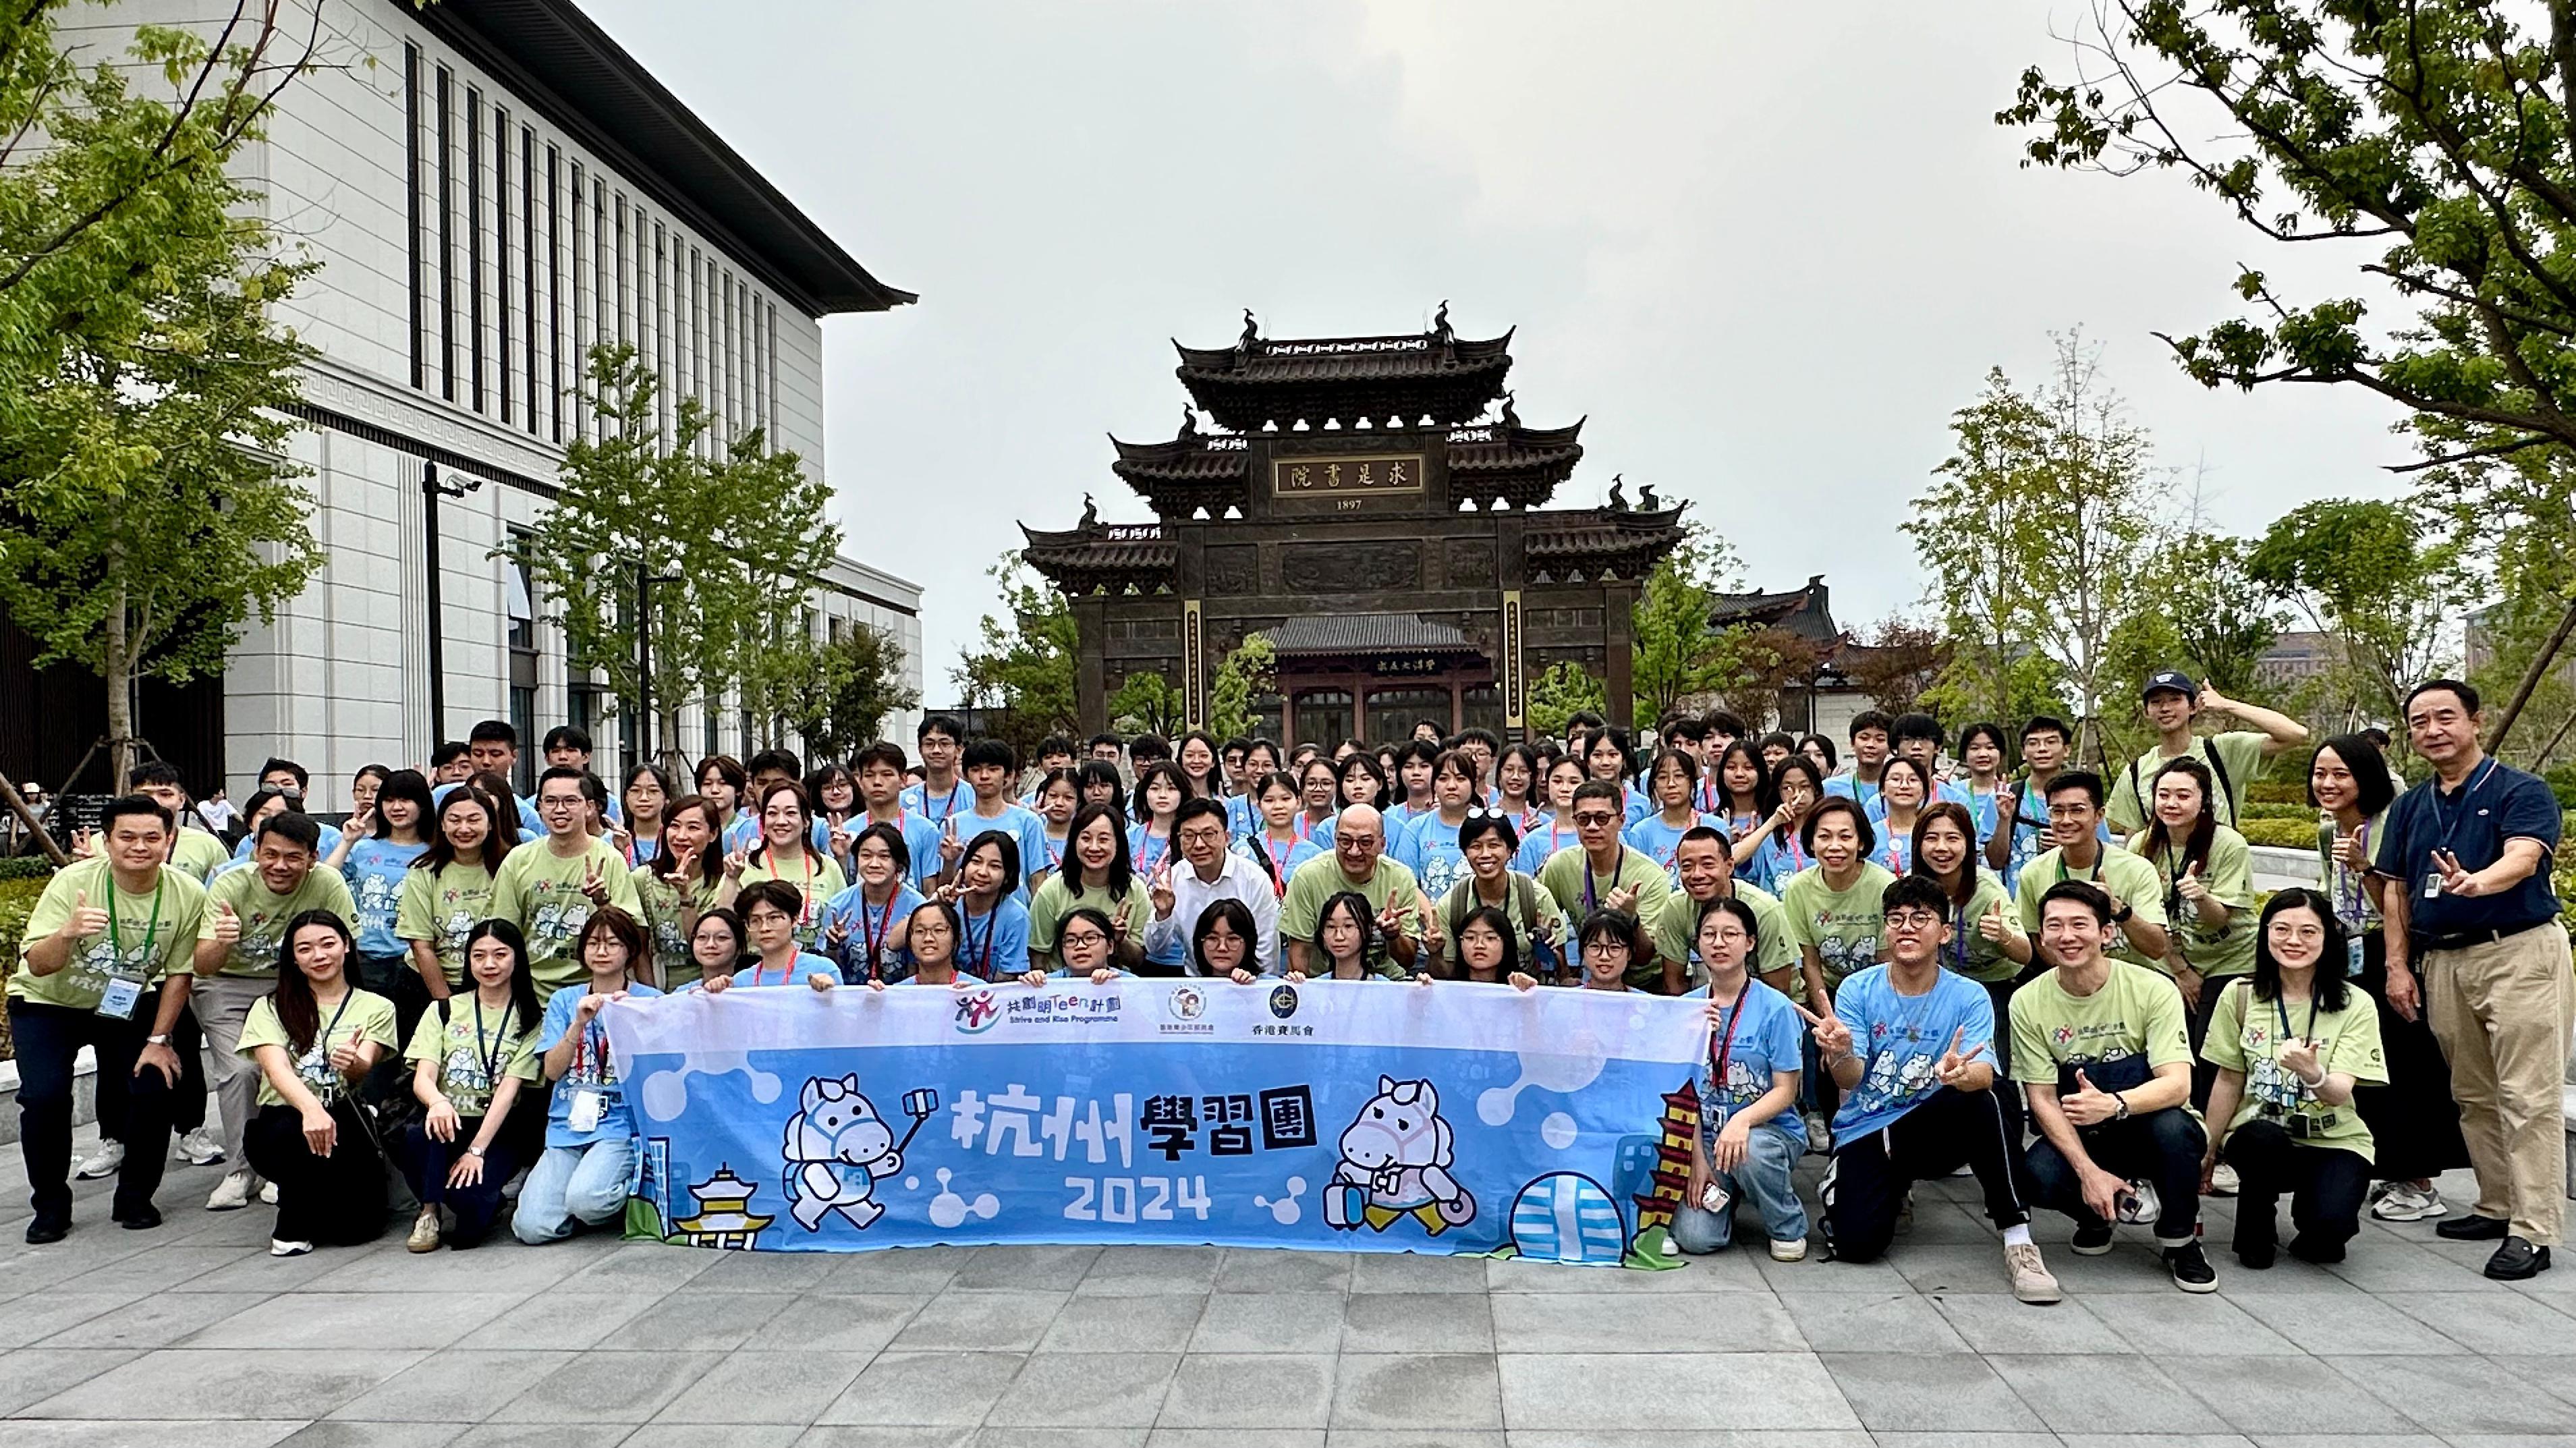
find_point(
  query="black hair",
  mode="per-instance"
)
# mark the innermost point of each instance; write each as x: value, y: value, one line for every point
x: 1148, y: 746
x: 2329, y: 986
x: 710, y: 860
x: 982, y: 752
x: 1255, y: 746
x: 135, y: 804
x: 295, y: 771
x: 1833, y: 755
x: 524, y: 1011
x: 1838, y: 804
x: 1919, y: 892
x: 1681, y: 726
x: 493, y: 731
x: 1196, y: 806
x: 2083, y: 779
x: 565, y: 736
x: 1111, y: 740
x: 1990, y: 729
x: 804, y: 807
x: 725, y: 915
x: 1870, y: 719
x: 1688, y: 761
x: 1619, y: 925
x: 1410, y: 750
x: 297, y: 1012
x: 448, y: 753
x: 882, y: 752
x: 1360, y: 910
x: 1278, y: 778
x: 1922, y: 773
x: 1063, y: 774
x: 1726, y: 722
x: 1915, y: 726
x: 893, y: 838
x: 1003, y: 845
x: 2047, y: 724
x: 1609, y: 789
x: 553, y: 772
x: 1366, y: 763
x: 824, y: 776
x: 1617, y: 738
x: 1121, y: 873
x: 1529, y: 757
x: 2195, y: 846
x: 442, y: 852
x: 1731, y: 905
x: 1586, y: 719
x: 1796, y: 762
x: 661, y: 777
x: 1957, y: 814
x: 939, y: 724
x: 1482, y: 821
x: 159, y: 771
x: 293, y: 826
x: 1725, y: 842
x: 408, y: 784
x: 777, y: 761
x: 1168, y: 772
x: 1101, y: 771
x: 2360, y: 754
x: 781, y: 895
x: 1055, y: 744
x: 619, y: 922
x: 946, y: 910
x: 1100, y: 921
x: 728, y: 769
x: 2083, y: 892
x: 1764, y: 797
x: 1496, y: 919
x: 1233, y: 912
x: 1787, y: 743
x: 2466, y: 693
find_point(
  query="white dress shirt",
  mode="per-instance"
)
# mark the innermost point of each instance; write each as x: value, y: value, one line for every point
x: 1236, y: 879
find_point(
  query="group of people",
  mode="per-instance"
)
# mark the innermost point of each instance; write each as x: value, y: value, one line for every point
x: 2063, y: 983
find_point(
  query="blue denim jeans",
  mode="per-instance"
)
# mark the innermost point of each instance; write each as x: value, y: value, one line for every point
x: 1763, y: 1180
x: 572, y: 1184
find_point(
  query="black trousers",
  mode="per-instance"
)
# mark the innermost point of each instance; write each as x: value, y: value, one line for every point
x: 187, y: 1104
x: 2008, y: 1091
x: 336, y: 1200
x: 2326, y: 1186
x: 2196, y: 1023
x: 2163, y: 1147
x: 1865, y: 1183
x: 425, y: 1163
x: 47, y: 1039
x: 2412, y: 1119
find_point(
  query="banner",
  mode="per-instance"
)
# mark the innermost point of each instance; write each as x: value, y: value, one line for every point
x: 1333, y: 1115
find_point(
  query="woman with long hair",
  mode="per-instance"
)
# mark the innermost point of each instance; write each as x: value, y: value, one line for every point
x: 863, y: 926
x: 786, y: 852
x: 1057, y: 796
x: 2414, y: 1123
x: 1097, y: 876
x: 2289, y: 1047
x: 834, y: 791
x: 1429, y: 845
x: 1160, y: 788
x: 1895, y: 808
x: 1363, y: 780
x: 1740, y: 792
x: 1221, y: 942
x: 718, y: 946
x: 1520, y: 785
x: 645, y: 799
x: 992, y: 924
x: 2209, y: 897
x: 1776, y: 849
x: 678, y: 880
x: 375, y: 857
x: 1280, y: 840
x: 588, y: 1165
x: 721, y: 781
x: 1820, y: 752
x: 1101, y: 785
x: 1606, y: 756
x: 471, y: 1059
x: 1673, y: 783
x: 314, y: 1039
x: 1319, y: 797
x: 1201, y: 762
x: 448, y: 889
x: 1982, y: 754
x: 1543, y: 838
x: 1345, y: 928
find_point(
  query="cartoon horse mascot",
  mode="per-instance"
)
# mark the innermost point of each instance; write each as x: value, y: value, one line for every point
x: 1395, y: 1163
x: 836, y: 1149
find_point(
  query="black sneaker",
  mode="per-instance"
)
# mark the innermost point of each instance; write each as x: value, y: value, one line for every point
x: 2256, y: 1253
x: 2517, y: 1261
x: 2470, y: 1227
x: 137, y: 1219
x: 44, y: 1230
x: 2092, y: 1239
x: 2191, y: 1270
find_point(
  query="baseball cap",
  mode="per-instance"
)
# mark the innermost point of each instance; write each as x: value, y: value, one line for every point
x: 2174, y: 679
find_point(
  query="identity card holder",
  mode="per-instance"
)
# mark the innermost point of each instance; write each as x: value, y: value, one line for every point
x: 584, y: 1115
x: 2352, y: 957
x: 1714, y: 1199
x: 117, y: 1001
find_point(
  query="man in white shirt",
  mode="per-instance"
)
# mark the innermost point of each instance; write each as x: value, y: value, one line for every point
x: 1209, y: 872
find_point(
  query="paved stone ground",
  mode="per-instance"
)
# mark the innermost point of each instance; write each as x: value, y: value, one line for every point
x: 597, y: 1342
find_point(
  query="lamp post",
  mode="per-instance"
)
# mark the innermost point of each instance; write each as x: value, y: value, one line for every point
x: 431, y: 490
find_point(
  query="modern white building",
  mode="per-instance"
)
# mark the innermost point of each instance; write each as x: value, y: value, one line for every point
x: 492, y: 187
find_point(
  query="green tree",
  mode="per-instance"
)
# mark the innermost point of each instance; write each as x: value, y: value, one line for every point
x: 1563, y: 690
x: 1146, y: 701
x: 1968, y: 532
x: 838, y: 703
x: 1026, y: 658
x: 1675, y: 654
x: 1897, y: 662
x: 2364, y: 573
x: 1243, y: 677
x: 2223, y: 618
x: 2440, y: 129
x: 707, y: 555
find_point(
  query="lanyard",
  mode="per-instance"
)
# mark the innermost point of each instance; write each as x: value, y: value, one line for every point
x: 1726, y: 1048
x: 151, y: 928
x: 950, y: 801
x: 490, y: 1058
x: 786, y: 973
x: 2451, y: 825
x: 981, y: 965
x: 1055, y: 853
x: 1896, y: 849
x: 322, y: 1044
x: 873, y: 941
x: 1592, y: 901
x: 2283, y: 1007
x: 1278, y: 864
x: 2355, y: 915
x: 593, y: 1046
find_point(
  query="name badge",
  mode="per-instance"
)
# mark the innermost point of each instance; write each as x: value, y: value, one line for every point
x: 2352, y: 957
x: 2433, y: 886
x: 586, y: 1106
x: 117, y: 1001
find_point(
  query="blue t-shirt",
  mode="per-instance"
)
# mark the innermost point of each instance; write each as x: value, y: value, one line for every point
x: 920, y: 844
x: 531, y: 825
x: 1541, y: 841
x: 1430, y: 850
x: 1851, y: 788
x: 1664, y: 841
x: 1147, y: 851
x: 2495, y: 804
x: 1274, y: 863
x: 862, y: 923
x: 1242, y: 816
x: 995, y: 944
x: 591, y: 1070
x: 375, y: 871
x: 807, y: 963
x: 1894, y: 850
x: 918, y: 799
x: 1634, y: 805
x: 1901, y: 1039
x: 1768, y: 1037
x: 1025, y: 827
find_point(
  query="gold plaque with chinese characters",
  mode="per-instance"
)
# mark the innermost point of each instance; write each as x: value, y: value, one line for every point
x: 1345, y: 477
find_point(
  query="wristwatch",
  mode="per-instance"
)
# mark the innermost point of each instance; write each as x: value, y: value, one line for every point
x: 474, y: 1151
x: 2121, y: 916
x: 160, y: 1040
x: 2122, y: 1114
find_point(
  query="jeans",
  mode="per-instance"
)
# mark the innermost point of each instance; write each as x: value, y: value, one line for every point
x: 222, y: 1003
x: 2326, y: 1186
x: 1864, y: 1187
x: 425, y: 1164
x: 1762, y: 1180
x: 571, y: 1184
x: 2162, y: 1146
x: 47, y: 1038
x: 335, y: 1200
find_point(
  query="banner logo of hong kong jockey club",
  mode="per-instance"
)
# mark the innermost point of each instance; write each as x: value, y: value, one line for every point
x: 976, y: 1012
x: 1283, y: 1001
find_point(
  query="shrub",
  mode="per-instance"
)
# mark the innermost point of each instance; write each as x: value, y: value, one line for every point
x: 2297, y: 834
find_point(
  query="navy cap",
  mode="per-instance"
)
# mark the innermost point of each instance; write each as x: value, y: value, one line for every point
x: 2174, y: 679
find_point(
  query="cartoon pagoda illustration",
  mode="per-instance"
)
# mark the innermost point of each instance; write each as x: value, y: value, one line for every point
x: 724, y: 1218
x: 1671, y: 1176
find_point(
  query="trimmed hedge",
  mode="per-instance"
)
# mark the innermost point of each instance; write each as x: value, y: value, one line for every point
x: 2289, y: 834
x: 17, y: 900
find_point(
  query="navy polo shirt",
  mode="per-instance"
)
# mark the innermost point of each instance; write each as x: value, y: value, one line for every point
x: 2496, y: 803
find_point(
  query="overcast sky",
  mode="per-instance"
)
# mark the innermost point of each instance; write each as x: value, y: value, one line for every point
x: 1768, y: 248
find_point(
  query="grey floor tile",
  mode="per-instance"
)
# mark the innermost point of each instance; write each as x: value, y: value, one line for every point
x: 1817, y: 1275
x: 933, y: 1389
x: 2345, y: 1440
x: 152, y: 1322
x: 1871, y: 1322
x: 850, y: 1322
x: 704, y: 1321
x: 2493, y: 1323
x: 1145, y: 1271
x: 1410, y: 1438
x: 606, y: 1388
x: 2073, y: 1393
x: 2268, y: 1395
x: 871, y: 1436
x: 731, y: 1435
x: 1019, y: 1437
x: 1963, y: 1268
x: 561, y: 1317
x: 1446, y: 1393
x: 1239, y: 1438
x: 766, y: 1272
x: 1085, y: 1390
x: 331, y: 1320
x: 1688, y: 1438
x: 898, y: 1269
x: 595, y: 1434
x: 236, y: 1433
x: 961, y: 1321
x: 2155, y: 1440
x: 1413, y: 1272
x: 155, y: 1269
x: 1251, y: 1269
x: 2342, y: 1324
x: 1417, y: 1322
x: 224, y: 1383
x: 2391, y: 1268
x: 1964, y: 1440
x: 761, y: 1385
x: 1012, y: 1267
x: 635, y: 1267
x: 1218, y: 1390
x: 1161, y: 1323
x: 1949, y: 1392
x: 1597, y: 1393
x: 456, y: 1386
x: 330, y: 1433
x: 41, y: 1315
x: 2002, y: 1324
x: 1284, y: 1322
x: 2458, y: 1394
x: 2182, y: 1323
x: 498, y: 1266
x: 1699, y: 1323
x: 1523, y: 1275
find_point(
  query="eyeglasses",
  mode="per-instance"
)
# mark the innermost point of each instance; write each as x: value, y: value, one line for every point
x: 1726, y: 933
x: 1082, y: 937
x: 765, y: 917
x: 1593, y: 821
x: 1202, y: 837
x: 1910, y: 920
x: 1605, y: 947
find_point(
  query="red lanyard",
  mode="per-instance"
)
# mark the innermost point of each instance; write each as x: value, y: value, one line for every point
x: 1278, y: 864
x: 804, y: 887
x: 1591, y: 902
x: 1726, y: 1048
x: 873, y: 940
x: 786, y: 973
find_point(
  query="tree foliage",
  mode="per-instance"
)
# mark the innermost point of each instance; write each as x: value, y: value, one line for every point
x: 1965, y: 529
x: 1026, y: 656
x: 838, y: 702
x: 1778, y: 665
x: 2223, y: 618
x: 1147, y: 702
x: 1675, y: 654
x: 1561, y: 691
x: 724, y: 542
x: 1896, y: 662
x: 1245, y: 675
x: 2364, y: 573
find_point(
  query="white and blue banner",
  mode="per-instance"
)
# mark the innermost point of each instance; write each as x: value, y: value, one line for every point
x: 1330, y: 1115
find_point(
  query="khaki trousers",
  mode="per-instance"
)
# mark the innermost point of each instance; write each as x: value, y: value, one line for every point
x: 2502, y: 1010
x: 223, y: 1003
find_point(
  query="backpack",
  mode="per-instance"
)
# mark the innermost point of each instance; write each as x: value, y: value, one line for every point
x: 2217, y: 771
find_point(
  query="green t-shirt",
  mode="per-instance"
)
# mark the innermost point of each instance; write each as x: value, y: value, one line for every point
x: 540, y: 892
x: 2136, y: 1012
x: 1848, y: 927
x: 443, y: 907
x: 1055, y: 898
x: 1970, y: 953
x: 2240, y: 761
x: 1775, y: 945
x: 263, y: 914
x: 2123, y: 874
x: 819, y: 881
x: 666, y: 917
x: 2245, y: 1036
x: 199, y: 854
x: 368, y: 1014
x: 1569, y: 870
x: 473, y: 1059
x: 146, y: 938
x: 2229, y: 877
x: 1321, y: 878
x: 1524, y: 905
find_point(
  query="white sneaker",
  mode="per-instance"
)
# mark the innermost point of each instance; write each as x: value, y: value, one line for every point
x: 1820, y: 1135
x: 232, y: 1193
x: 280, y: 1247
x: 2032, y: 1282
x: 2403, y: 1203
x: 1792, y: 1249
x: 2222, y: 1180
x: 200, y: 1148
x: 268, y: 1194
x: 102, y: 1162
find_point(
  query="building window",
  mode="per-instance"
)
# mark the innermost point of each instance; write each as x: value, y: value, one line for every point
x: 1265, y: 709
x: 1482, y: 705
x: 1323, y: 717
x: 522, y: 604
x: 474, y: 241
x: 446, y: 235
x: 411, y: 208
x: 1391, y: 712
x: 501, y: 252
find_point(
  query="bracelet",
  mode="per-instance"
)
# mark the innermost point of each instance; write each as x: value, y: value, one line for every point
x: 2316, y: 1084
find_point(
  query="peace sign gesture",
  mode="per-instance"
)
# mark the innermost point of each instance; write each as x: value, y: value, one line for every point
x: 735, y: 862
x: 2456, y: 878
x: 1954, y: 1062
x: 1431, y: 936
x: 1158, y: 891
x: 1833, y: 1038
x: 951, y: 848
x: 593, y: 883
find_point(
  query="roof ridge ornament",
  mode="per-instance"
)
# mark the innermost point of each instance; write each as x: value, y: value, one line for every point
x: 1511, y: 414
x: 1618, y: 492
x: 1251, y: 337
x: 1090, y: 514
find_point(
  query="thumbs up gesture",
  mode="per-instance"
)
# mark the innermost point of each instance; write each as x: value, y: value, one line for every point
x: 344, y: 1056
x: 2088, y: 1105
x: 2347, y: 851
x: 1991, y: 924
x: 2299, y: 1058
x: 227, y: 924
x: 87, y: 920
x: 2190, y: 886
